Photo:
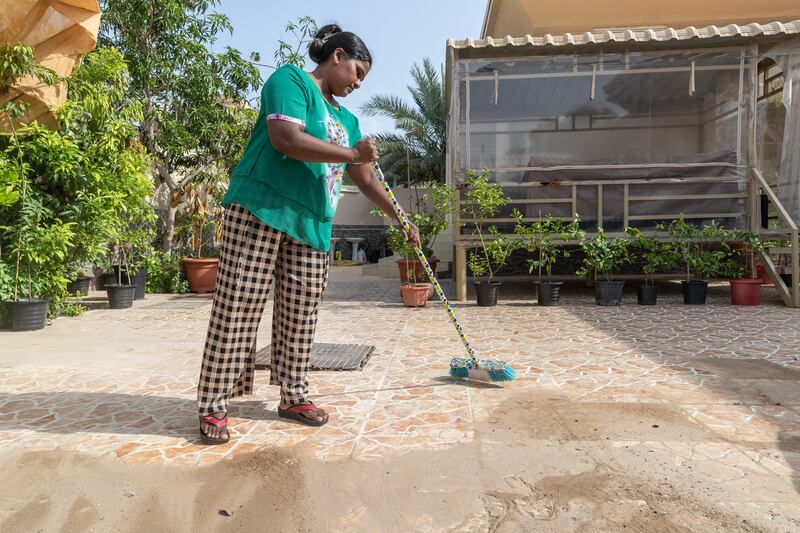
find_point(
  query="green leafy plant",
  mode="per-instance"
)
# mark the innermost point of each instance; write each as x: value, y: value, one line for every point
x: 18, y: 60
x: 753, y: 245
x: 196, y: 118
x: 484, y: 200
x: 68, y: 308
x: 657, y: 255
x: 165, y: 274
x: 604, y: 256
x: 694, y: 245
x: 542, y: 237
x: 431, y: 218
x: 303, y: 31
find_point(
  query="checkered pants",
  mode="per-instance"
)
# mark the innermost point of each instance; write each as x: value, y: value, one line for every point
x: 252, y: 256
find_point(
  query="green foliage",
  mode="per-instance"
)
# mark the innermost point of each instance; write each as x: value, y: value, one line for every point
x: 604, y: 256
x: 542, y: 236
x: 484, y: 201
x: 67, y: 193
x: 417, y: 153
x: 196, y: 116
x: 18, y: 60
x: 67, y: 308
x: 165, y: 274
x: 431, y: 219
x: 303, y: 31
x: 752, y: 247
x: 658, y: 255
x: 694, y: 245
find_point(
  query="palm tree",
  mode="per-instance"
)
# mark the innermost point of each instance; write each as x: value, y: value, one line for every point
x: 418, y: 150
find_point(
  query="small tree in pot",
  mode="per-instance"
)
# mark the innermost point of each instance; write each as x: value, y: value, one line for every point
x: 484, y: 201
x: 32, y: 272
x: 657, y: 256
x: 431, y: 219
x: 703, y: 261
x: 540, y: 237
x: 203, y: 205
x: 604, y: 256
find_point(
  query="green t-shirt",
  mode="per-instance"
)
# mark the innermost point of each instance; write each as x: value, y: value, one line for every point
x: 292, y: 196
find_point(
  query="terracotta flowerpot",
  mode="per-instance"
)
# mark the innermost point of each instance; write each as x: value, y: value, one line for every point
x: 414, y: 294
x: 201, y: 273
x: 746, y: 292
x: 762, y: 273
x: 417, y: 269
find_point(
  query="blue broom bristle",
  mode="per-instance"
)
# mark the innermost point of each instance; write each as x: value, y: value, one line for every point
x: 459, y: 372
x: 507, y: 374
x: 493, y: 370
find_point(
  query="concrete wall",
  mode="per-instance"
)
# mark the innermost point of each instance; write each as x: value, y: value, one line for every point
x: 538, y: 17
x: 353, y: 213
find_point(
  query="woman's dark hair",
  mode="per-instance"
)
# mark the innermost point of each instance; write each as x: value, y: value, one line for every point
x: 329, y: 38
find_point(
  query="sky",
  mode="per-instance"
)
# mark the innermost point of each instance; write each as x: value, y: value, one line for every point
x: 398, y: 34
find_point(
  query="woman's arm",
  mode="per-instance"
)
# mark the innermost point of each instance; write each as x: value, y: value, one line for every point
x: 365, y: 179
x: 289, y: 139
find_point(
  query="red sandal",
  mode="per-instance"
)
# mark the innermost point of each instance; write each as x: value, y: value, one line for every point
x: 295, y: 412
x: 219, y: 423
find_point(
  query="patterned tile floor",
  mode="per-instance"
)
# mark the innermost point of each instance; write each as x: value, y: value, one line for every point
x: 122, y: 383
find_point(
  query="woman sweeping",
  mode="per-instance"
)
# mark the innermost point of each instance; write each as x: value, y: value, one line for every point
x: 278, y: 217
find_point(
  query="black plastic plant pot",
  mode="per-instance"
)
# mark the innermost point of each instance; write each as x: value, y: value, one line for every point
x: 120, y: 296
x: 647, y: 294
x: 694, y: 292
x: 787, y: 279
x: 608, y: 292
x: 486, y: 292
x: 29, y: 315
x: 101, y: 280
x: 139, y: 279
x: 549, y: 292
x: 80, y: 285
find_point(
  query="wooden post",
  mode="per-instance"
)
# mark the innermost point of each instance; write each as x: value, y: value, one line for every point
x: 460, y: 271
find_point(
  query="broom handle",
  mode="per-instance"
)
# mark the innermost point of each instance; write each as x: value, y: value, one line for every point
x: 404, y: 222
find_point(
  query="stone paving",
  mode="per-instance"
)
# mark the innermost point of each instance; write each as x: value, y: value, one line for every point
x: 122, y: 383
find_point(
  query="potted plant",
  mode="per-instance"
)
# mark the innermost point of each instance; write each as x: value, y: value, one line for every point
x: 203, y: 202
x: 694, y: 246
x: 657, y: 255
x: 34, y: 273
x: 747, y: 291
x: 433, y: 210
x: 484, y: 201
x: 122, y: 291
x: 540, y: 238
x: 604, y: 256
x: 415, y: 294
x: 137, y: 238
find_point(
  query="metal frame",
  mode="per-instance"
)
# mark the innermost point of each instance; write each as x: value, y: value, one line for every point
x: 751, y: 188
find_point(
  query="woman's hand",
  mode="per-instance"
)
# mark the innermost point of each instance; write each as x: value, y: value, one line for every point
x: 365, y: 151
x: 412, y: 235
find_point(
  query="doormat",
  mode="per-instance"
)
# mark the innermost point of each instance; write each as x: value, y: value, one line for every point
x: 326, y: 356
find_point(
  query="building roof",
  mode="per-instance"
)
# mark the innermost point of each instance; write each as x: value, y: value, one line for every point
x: 646, y: 35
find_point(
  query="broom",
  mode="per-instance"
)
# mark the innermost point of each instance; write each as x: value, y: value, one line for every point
x: 469, y: 367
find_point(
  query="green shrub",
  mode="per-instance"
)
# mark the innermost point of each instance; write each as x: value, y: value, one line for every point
x: 165, y: 274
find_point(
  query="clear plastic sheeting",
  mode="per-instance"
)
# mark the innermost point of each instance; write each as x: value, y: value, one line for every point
x: 780, y: 128
x: 619, y: 139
